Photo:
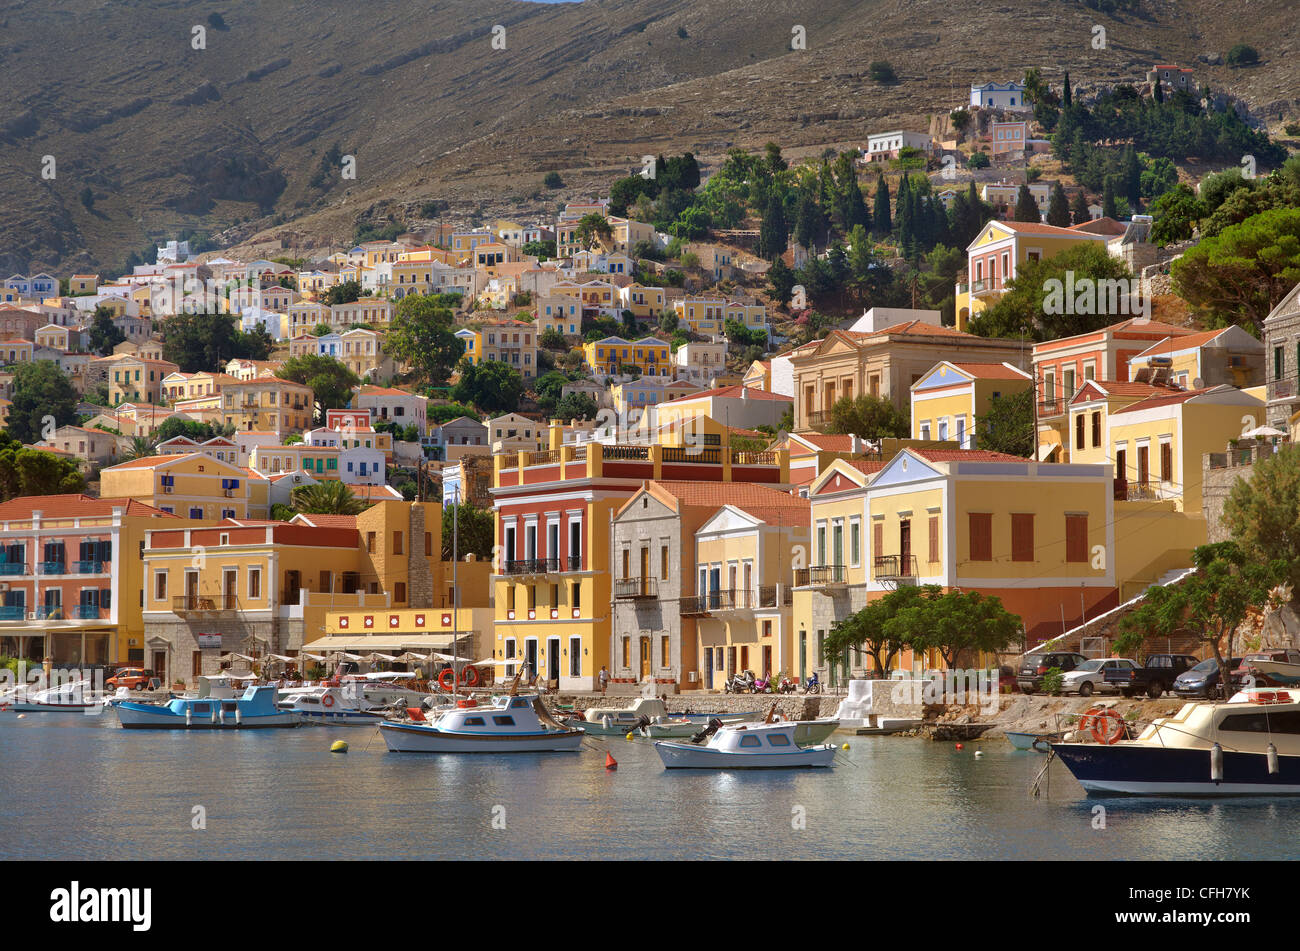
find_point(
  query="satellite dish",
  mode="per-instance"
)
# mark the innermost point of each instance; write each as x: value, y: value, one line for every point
x: 1198, y: 384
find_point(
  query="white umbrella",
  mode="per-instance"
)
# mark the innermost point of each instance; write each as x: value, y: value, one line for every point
x: 378, y: 656
x: 487, y: 662
x: 284, y: 658
x: 1265, y: 431
x: 314, y: 656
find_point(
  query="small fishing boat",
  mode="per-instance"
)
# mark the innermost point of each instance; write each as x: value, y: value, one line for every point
x: 1272, y: 671
x: 1248, y: 746
x: 216, y: 708
x: 77, y: 697
x: 335, y: 706
x: 510, y: 724
x: 613, y: 721
x: 745, y: 746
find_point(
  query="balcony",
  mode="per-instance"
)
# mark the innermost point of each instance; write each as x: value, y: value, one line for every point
x: 715, y: 602
x: 817, y: 419
x: 186, y: 604
x: 893, y: 567
x: 573, y: 563
x: 1049, y: 408
x: 820, y: 576
x: 85, y: 612
x: 1281, y: 390
x: 13, y: 612
x: 692, y: 454
x: 53, y: 568
x: 13, y: 568
x: 533, y: 566
x: 636, y: 589
x: 93, y: 567
x: 628, y: 453
x: 1147, y: 491
x: 984, y: 288
x: 49, y: 612
x: 774, y: 596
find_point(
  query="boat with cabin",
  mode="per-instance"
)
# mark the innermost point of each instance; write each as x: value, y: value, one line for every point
x: 76, y: 697
x: 509, y: 724
x: 217, y: 706
x: 343, y: 705
x: 618, y: 721
x: 1247, y: 746
x: 770, y: 745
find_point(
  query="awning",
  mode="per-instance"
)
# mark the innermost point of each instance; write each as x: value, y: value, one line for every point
x: 368, y: 643
x: 1046, y: 450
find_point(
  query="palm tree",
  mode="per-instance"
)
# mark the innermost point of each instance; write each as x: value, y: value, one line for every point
x: 139, y: 449
x: 330, y: 497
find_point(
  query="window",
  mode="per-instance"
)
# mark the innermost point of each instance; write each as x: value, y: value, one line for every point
x: 750, y: 741
x: 663, y: 563
x: 1096, y: 429
x: 855, y: 541
x: 778, y: 739
x: 370, y: 542
x: 397, y: 543
x: 981, y: 536
x: 1078, y: 431
x: 399, y: 592
x: 1166, y: 462
x: 254, y: 583
x: 665, y: 651
x: 474, y: 721
x: 160, y: 586
x: 1076, y: 538
x: 1022, y: 536
x: 503, y: 721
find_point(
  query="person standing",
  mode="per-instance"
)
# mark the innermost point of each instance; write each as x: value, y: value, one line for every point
x: 604, y: 680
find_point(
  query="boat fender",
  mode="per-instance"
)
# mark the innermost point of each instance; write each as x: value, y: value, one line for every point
x: 222, y: 716
x: 605, y: 721
x: 327, y: 700
x: 214, y: 716
x: 238, y: 718
x: 189, y: 716
x: 1216, y: 763
x: 1273, y: 768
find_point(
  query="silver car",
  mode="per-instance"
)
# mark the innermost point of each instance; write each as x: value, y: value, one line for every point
x: 1090, y: 676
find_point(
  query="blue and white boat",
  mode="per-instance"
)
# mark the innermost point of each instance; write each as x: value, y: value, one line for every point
x: 217, y: 707
x: 1248, y: 746
x: 501, y: 725
x: 746, y: 746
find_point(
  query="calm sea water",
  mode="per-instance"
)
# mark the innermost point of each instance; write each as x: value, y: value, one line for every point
x: 73, y: 787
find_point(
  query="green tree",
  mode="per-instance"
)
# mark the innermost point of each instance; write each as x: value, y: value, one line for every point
x: 977, y: 160
x: 592, y: 229
x: 104, y: 334
x: 881, y: 224
x: 475, y: 531
x: 42, y: 400
x: 880, y: 71
x: 1079, y: 208
x: 26, y: 471
x: 423, y: 336
x: 1209, y: 604
x: 552, y: 339
x: 867, y: 416
x: 781, y: 282
x: 329, y: 497
x: 1242, y: 55
x: 553, y: 180
x: 344, y: 293
x: 1058, y: 209
x: 1176, y: 213
x: 955, y: 622
x: 190, y: 428
x: 1026, y: 207
x: 492, y: 386
x: 868, y: 630
x: 1262, y: 514
x: 330, y: 381
x: 773, y: 234
x: 140, y: 448
x: 199, y: 342
x: 576, y: 406
x: 1008, y: 426
x: 1239, y: 275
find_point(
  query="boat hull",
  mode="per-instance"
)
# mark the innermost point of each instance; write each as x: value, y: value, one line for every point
x: 29, y: 707
x: 340, y: 717
x: 686, y: 756
x: 144, y: 717
x: 417, y: 738
x: 1032, y: 741
x: 1276, y: 673
x: 1142, y: 770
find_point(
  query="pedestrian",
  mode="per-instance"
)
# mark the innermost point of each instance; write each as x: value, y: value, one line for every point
x: 604, y: 680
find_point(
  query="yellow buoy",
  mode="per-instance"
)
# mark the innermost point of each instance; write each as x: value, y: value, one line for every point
x: 629, y: 736
x: 845, y: 746
x: 338, y: 746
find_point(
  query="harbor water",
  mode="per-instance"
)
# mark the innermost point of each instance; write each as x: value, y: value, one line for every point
x: 77, y: 787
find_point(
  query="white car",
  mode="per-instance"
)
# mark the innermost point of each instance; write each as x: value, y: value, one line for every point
x: 1090, y: 676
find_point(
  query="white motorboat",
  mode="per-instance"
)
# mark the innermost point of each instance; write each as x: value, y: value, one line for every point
x: 617, y: 721
x: 335, y: 706
x: 76, y: 697
x: 509, y: 724
x: 1248, y: 746
x: 806, y: 732
x: 746, y: 746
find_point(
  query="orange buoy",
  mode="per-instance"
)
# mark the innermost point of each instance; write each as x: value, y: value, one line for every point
x: 416, y: 714
x: 960, y: 747
x: 610, y: 762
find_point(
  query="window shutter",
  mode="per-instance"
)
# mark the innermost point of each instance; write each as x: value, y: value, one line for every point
x: 877, y: 539
x: 1076, y: 538
x: 981, y: 536
x: 1022, y: 536
x: 934, y: 538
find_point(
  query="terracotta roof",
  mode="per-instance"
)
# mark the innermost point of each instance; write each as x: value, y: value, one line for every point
x: 1169, y: 399
x: 828, y: 442
x: 992, y: 371
x: 1106, y: 226
x: 735, y: 391
x: 869, y: 466
x: 326, y: 521
x: 1173, y: 344
x: 148, y: 462
x: 1031, y: 227
x: 73, y: 506
x: 919, y: 328
x: 771, y: 505
x: 966, y: 455
x: 376, y: 493
x: 1129, y: 388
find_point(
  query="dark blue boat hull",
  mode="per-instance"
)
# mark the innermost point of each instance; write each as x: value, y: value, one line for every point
x: 1127, y: 769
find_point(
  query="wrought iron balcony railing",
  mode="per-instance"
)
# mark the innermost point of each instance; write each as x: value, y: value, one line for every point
x: 820, y: 575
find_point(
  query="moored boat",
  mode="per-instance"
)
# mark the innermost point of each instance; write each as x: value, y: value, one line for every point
x: 1248, y: 746
x: 1042, y: 742
x: 255, y: 708
x: 77, y: 697
x: 745, y: 746
x: 335, y: 706
x: 510, y: 724
x: 616, y: 721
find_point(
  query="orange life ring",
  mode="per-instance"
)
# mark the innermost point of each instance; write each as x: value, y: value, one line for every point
x: 327, y: 700
x: 1088, y: 720
x: 1108, y: 727
x: 469, y: 676
x: 447, y: 678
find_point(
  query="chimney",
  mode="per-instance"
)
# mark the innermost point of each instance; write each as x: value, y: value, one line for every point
x: 854, y: 448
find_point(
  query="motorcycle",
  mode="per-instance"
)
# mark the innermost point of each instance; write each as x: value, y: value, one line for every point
x: 764, y: 685
x: 788, y: 685
x: 813, y: 685
x: 741, y: 683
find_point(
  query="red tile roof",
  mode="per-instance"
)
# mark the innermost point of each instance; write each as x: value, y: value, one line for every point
x: 992, y: 371
x: 771, y: 505
x: 76, y: 505
x: 966, y: 455
x: 1033, y: 227
x: 326, y: 521
x: 1130, y: 388
x: 1173, y: 344
x: 1169, y: 399
x: 735, y: 391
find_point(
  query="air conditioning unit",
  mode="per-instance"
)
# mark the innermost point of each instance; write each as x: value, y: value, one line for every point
x: 692, y: 676
x: 167, y: 490
x: 31, y: 615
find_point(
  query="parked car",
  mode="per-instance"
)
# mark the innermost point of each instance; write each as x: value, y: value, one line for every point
x: 1089, y: 676
x: 1030, y: 677
x: 1202, y: 681
x: 133, y: 678
x: 1156, y: 675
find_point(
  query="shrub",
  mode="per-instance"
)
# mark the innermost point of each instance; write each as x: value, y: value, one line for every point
x: 1242, y: 55
x: 881, y: 71
x: 978, y: 160
x: 553, y: 180
x: 1053, y: 681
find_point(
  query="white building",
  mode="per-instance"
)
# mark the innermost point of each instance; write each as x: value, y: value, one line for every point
x: 999, y: 96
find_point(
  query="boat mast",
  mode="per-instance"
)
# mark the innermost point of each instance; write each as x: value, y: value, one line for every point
x: 455, y: 592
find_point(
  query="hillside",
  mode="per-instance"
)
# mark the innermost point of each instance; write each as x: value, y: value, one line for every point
x: 231, y: 138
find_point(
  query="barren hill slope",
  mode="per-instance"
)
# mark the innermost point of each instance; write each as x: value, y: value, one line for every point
x: 166, y: 137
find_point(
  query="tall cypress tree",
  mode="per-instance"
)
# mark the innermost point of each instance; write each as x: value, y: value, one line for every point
x: 1058, y: 210
x: 773, y: 234
x: 1026, y: 207
x: 1079, y: 208
x: 1108, y: 207
x: 882, y: 224
x: 1067, y: 97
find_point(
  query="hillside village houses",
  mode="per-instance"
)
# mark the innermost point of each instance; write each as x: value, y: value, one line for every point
x: 710, y: 527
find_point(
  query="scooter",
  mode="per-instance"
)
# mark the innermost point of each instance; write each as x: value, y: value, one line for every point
x: 788, y: 685
x: 764, y: 685
x: 741, y: 683
x: 813, y: 685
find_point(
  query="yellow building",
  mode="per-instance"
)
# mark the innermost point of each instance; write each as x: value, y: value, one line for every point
x: 321, y: 461
x: 645, y: 302
x: 134, y: 380
x: 614, y: 355
x: 191, y: 485
x: 759, y: 375
x: 947, y: 401
x: 267, y: 403
x: 709, y: 315
x: 993, y: 258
